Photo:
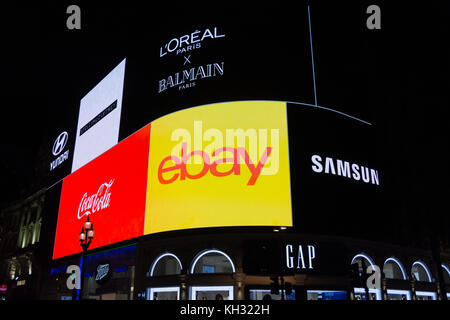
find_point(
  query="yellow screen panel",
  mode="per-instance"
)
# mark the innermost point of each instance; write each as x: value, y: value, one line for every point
x: 219, y: 165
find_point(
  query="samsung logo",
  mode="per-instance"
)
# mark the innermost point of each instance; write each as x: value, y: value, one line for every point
x: 347, y: 169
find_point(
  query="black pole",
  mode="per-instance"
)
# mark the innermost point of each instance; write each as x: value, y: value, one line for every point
x: 364, y: 277
x: 82, y: 271
x: 435, y: 249
x: 85, y: 245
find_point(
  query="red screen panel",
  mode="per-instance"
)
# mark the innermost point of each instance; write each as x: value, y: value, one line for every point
x: 111, y: 190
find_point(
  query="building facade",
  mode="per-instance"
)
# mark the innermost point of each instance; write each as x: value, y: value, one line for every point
x: 228, y: 265
x: 209, y: 168
x: 20, y: 236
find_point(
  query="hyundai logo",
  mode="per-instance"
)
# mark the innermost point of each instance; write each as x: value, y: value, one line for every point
x: 60, y: 143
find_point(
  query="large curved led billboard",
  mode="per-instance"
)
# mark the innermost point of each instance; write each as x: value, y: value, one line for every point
x: 240, y: 163
x: 217, y: 165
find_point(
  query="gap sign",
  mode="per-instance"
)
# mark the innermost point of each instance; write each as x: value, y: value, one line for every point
x: 313, y: 258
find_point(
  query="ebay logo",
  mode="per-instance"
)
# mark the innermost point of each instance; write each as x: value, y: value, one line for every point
x: 179, y: 170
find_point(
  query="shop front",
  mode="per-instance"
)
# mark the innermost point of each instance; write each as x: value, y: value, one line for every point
x: 265, y: 266
x: 398, y: 285
x: 109, y: 275
x: 363, y: 261
x: 230, y: 265
x: 208, y: 276
x: 241, y: 268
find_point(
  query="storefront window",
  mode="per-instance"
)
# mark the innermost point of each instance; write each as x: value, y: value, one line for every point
x: 393, y: 269
x: 420, y: 272
x: 326, y: 295
x: 165, y: 264
x: 393, y: 294
x: 361, y: 294
x: 212, y: 261
x: 426, y: 295
x: 164, y: 293
x: 109, y: 275
x: 212, y: 293
x: 265, y: 294
x: 363, y: 261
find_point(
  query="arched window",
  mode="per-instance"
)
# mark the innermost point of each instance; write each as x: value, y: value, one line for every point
x: 420, y: 272
x: 393, y: 269
x: 212, y: 261
x: 363, y: 261
x: 446, y: 273
x: 166, y: 264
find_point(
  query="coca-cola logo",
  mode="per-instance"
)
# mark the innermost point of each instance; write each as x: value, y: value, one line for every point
x: 97, y: 201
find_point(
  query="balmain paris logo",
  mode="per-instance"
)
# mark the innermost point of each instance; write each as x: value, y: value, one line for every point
x: 185, y: 45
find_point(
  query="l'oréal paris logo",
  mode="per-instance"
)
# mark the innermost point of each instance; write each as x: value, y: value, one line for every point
x: 97, y: 201
x: 189, y: 42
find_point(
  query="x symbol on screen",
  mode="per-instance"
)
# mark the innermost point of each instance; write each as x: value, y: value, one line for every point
x: 186, y: 59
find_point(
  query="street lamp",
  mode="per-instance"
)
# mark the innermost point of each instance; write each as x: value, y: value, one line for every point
x: 86, y: 236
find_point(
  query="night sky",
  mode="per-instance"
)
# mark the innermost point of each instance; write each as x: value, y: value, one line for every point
x: 397, y: 78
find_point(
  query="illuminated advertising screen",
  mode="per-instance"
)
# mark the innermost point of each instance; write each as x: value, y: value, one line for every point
x: 218, y: 165
x: 99, y: 118
x: 111, y: 191
x: 213, y: 58
x: 338, y: 180
x: 224, y: 165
